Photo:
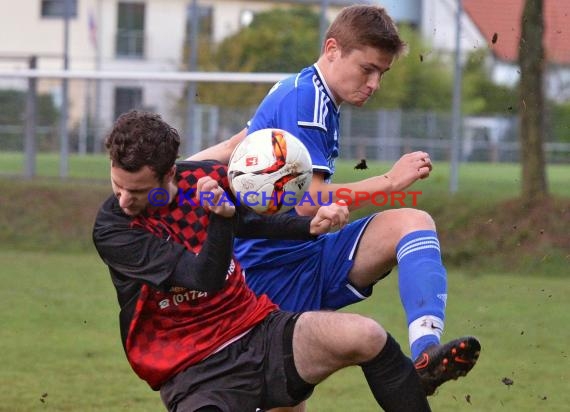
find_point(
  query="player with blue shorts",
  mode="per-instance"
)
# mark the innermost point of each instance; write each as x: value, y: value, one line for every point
x: 341, y: 268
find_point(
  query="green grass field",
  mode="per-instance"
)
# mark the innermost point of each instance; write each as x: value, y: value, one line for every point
x: 477, y: 180
x: 60, y: 344
x: 61, y: 349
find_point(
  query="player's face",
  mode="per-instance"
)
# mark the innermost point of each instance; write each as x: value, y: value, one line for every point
x: 357, y: 75
x: 132, y: 188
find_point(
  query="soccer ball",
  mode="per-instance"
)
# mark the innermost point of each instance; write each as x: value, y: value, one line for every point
x: 269, y: 171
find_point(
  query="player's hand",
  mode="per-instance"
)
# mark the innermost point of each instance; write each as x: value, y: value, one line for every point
x: 329, y: 217
x: 408, y: 169
x: 213, y: 198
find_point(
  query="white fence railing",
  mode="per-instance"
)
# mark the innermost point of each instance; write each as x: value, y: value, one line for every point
x: 95, y: 98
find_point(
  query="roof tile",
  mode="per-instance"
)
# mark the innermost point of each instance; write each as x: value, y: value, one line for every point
x: 502, y: 19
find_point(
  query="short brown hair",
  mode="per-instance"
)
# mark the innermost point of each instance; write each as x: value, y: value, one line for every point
x: 141, y: 139
x: 358, y: 26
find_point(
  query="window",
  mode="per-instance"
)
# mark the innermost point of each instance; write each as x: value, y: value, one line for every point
x: 56, y: 8
x: 127, y: 98
x: 130, y: 30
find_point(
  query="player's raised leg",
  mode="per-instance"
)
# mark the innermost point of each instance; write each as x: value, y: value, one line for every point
x: 408, y: 238
x: 324, y: 342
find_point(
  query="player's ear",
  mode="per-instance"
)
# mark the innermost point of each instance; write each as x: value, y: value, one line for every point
x: 331, y: 48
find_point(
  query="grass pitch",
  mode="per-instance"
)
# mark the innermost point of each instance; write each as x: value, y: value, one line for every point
x: 524, y: 356
x: 476, y: 180
x: 61, y: 348
x: 59, y: 335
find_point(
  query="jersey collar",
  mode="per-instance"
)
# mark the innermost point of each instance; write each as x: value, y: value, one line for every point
x: 326, y: 86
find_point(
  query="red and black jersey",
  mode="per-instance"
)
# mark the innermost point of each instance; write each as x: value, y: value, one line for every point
x: 182, y: 293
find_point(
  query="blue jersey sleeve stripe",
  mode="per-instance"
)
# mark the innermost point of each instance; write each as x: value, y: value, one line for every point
x: 322, y: 169
x: 313, y: 125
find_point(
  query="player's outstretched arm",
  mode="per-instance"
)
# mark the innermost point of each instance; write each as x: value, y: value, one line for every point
x: 222, y: 151
x: 407, y: 170
x: 290, y: 226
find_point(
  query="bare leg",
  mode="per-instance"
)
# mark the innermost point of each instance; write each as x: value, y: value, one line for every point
x: 410, y: 235
x: 407, y: 237
x: 309, y: 356
x: 324, y: 342
x: 376, y: 253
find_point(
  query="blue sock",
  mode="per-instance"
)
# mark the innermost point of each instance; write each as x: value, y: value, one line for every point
x: 423, y: 287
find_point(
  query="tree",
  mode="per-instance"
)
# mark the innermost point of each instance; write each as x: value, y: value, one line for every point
x: 531, y: 107
x: 416, y: 81
x: 286, y: 40
x: 482, y: 96
x: 278, y: 41
x: 13, y: 103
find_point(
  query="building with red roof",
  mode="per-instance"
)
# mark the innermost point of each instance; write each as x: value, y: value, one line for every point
x: 499, y: 23
x: 502, y: 20
x: 496, y: 25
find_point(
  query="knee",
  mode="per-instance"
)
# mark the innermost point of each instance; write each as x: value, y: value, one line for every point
x: 369, y: 339
x: 411, y: 220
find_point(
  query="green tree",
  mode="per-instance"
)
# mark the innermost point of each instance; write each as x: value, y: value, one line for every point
x: 559, y: 129
x: 423, y: 80
x: 417, y: 81
x: 286, y: 40
x: 532, y: 108
x: 276, y: 41
x: 13, y: 103
x: 481, y: 96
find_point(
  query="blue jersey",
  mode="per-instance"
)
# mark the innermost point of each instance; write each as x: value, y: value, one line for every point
x: 303, y: 105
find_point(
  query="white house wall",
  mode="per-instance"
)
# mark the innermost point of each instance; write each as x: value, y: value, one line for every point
x: 438, y: 27
x: 165, y: 25
x: 24, y: 32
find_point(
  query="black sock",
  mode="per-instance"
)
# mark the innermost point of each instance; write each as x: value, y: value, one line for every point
x: 394, y: 382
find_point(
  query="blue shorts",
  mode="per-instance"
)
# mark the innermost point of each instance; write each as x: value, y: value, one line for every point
x: 315, y: 279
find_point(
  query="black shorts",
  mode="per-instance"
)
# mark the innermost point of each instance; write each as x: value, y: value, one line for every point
x: 256, y: 371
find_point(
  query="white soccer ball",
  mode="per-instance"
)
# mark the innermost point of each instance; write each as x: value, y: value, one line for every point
x: 269, y: 171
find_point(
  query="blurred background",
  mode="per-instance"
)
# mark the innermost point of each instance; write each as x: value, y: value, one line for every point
x: 104, y: 57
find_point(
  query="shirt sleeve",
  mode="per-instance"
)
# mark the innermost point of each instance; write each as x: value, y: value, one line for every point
x: 140, y: 255
x: 301, y: 110
x: 285, y: 226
